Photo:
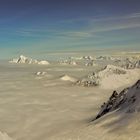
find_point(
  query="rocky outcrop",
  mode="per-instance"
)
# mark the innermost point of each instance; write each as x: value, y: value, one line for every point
x: 127, y: 101
x: 89, y: 81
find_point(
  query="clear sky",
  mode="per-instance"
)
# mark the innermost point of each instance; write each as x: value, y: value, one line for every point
x: 37, y: 26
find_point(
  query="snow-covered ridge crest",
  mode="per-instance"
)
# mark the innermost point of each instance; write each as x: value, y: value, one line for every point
x: 26, y: 60
x: 128, y: 101
x: 111, y: 69
x: 101, y: 77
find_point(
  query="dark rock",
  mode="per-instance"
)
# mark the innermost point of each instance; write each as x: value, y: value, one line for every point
x: 128, y: 99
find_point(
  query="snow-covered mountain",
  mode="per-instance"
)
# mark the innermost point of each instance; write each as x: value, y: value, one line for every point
x: 23, y: 59
x: 26, y: 60
x: 95, y: 79
x: 127, y: 101
x: 110, y: 70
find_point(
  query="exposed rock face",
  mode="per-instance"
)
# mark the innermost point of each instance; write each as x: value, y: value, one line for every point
x: 25, y: 60
x: 91, y: 80
x: 127, y: 100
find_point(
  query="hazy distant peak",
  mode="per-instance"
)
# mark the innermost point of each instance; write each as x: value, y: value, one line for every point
x: 26, y: 60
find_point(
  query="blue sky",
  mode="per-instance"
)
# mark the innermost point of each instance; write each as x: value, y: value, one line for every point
x: 35, y: 26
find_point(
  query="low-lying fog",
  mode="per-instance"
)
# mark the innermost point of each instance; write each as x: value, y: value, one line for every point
x: 42, y: 102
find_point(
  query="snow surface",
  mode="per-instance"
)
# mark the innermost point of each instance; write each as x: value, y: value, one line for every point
x: 68, y: 78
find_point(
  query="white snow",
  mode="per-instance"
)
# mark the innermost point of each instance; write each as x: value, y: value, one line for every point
x: 114, y: 77
x: 26, y: 60
x: 68, y: 78
x: 43, y: 62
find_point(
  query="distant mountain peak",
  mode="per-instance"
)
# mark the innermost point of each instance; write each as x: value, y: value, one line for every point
x: 26, y: 60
